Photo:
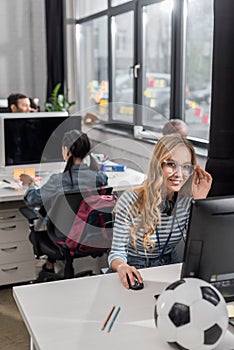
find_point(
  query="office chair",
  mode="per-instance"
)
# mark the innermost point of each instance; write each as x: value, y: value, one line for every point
x: 61, y: 216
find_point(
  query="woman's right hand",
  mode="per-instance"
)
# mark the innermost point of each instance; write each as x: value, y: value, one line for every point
x: 202, y: 181
x: 125, y: 270
x: 26, y: 179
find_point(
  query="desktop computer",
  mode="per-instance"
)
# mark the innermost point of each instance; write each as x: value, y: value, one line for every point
x: 209, y: 245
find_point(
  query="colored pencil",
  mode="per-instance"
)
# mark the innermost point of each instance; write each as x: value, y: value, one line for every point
x: 113, y: 319
x: 107, y: 318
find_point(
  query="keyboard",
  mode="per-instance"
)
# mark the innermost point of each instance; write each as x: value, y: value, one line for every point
x: 226, y: 288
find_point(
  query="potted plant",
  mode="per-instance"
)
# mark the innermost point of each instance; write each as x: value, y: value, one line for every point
x: 58, y: 102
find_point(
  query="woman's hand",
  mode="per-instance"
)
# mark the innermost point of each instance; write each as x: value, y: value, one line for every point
x: 125, y: 270
x: 26, y: 179
x: 202, y: 181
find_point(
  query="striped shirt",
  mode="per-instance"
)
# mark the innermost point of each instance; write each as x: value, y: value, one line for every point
x: 122, y: 246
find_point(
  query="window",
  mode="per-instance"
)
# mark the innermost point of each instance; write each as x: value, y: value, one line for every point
x: 133, y: 54
x: 198, y: 66
x: 123, y: 56
x: 157, y: 19
x: 117, y: 2
x: 86, y: 8
x: 92, y: 57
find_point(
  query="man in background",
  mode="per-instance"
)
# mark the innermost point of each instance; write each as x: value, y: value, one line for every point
x: 175, y: 126
x: 19, y: 103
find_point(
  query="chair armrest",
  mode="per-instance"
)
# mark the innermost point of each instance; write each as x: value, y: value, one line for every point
x: 29, y: 214
x: 109, y: 223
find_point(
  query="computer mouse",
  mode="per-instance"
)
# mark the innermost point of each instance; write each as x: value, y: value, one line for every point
x: 137, y: 285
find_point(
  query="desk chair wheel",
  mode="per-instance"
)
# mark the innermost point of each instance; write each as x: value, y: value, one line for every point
x: 45, y: 276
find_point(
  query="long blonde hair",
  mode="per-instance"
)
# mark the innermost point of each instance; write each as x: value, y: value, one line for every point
x: 150, y: 193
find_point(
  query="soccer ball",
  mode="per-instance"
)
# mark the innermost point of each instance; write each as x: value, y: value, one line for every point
x: 191, y: 314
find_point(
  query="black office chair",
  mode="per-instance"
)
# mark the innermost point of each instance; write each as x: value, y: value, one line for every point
x: 61, y: 217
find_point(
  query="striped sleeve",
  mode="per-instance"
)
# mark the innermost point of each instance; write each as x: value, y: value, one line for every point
x: 121, y: 231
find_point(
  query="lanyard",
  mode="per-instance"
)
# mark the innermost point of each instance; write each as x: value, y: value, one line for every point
x: 168, y: 237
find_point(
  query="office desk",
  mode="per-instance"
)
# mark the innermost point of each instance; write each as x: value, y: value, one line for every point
x: 120, y: 181
x: 69, y: 314
x: 127, y: 179
x: 17, y: 261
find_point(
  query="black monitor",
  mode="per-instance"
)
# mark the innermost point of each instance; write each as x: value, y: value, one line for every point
x: 209, y: 247
x: 34, y: 138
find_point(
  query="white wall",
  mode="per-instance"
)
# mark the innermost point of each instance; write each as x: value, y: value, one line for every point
x: 23, y: 48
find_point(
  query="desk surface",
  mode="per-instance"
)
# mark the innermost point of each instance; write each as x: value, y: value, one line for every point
x: 69, y: 314
x: 120, y: 181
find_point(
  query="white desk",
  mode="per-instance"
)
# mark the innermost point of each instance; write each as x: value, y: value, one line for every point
x: 120, y: 181
x: 69, y: 314
x: 11, y: 195
x: 127, y: 179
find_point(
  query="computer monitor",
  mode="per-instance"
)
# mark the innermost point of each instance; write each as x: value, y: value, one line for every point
x: 33, y: 138
x: 209, y: 247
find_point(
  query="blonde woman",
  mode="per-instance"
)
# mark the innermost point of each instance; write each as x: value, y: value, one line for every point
x: 151, y: 220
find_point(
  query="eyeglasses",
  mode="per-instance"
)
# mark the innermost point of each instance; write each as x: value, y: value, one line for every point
x: 172, y: 167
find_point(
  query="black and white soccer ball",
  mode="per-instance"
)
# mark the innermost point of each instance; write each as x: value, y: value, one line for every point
x: 191, y: 314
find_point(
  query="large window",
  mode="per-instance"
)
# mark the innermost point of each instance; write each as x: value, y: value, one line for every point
x: 155, y: 54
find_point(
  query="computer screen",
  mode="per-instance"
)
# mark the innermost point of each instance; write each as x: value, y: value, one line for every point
x: 34, y: 138
x: 209, y: 247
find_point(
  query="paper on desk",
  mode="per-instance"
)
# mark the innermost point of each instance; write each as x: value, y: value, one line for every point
x: 12, y: 185
x: 230, y: 310
x: 28, y: 171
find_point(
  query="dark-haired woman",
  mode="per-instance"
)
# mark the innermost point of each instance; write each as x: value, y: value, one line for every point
x: 77, y: 175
